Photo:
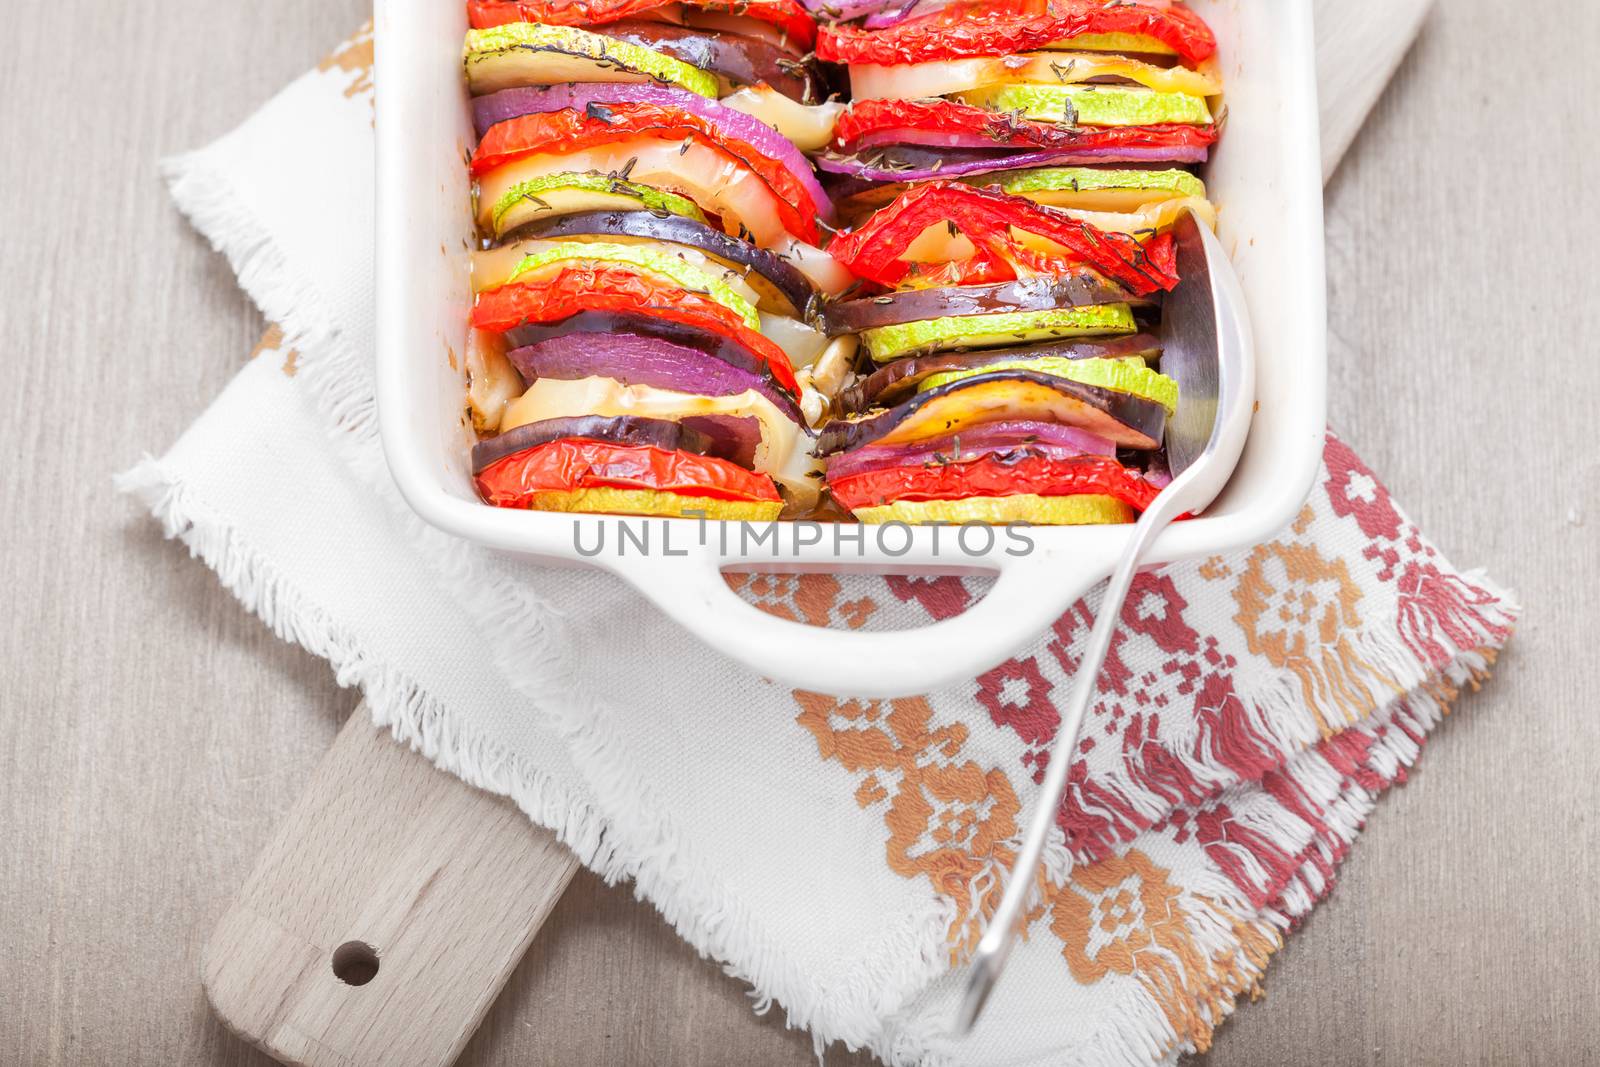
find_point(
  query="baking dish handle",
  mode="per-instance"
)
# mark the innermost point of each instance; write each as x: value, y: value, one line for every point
x: 1029, y: 594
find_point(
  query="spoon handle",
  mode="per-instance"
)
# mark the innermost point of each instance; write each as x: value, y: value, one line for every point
x: 990, y: 958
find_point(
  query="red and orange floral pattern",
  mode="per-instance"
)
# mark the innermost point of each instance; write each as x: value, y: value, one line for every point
x: 1317, y: 654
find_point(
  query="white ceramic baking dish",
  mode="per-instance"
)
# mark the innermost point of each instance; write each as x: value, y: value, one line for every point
x: 1265, y: 176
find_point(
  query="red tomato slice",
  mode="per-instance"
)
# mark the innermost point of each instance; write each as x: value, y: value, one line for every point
x: 986, y: 217
x: 613, y: 287
x: 786, y: 15
x: 1004, y: 27
x: 991, y: 476
x: 864, y: 118
x: 568, y: 130
x: 581, y: 463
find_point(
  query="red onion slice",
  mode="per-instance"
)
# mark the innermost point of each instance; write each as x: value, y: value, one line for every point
x: 510, y: 103
x: 596, y: 346
x: 898, y: 11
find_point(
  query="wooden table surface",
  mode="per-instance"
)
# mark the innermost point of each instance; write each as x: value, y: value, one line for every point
x: 152, y: 733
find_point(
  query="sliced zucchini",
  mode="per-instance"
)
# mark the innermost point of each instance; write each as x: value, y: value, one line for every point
x: 1092, y: 189
x: 1120, y: 375
x: 1084, y: 509
x: 531, y: 53
x: 615, y: 501
x: 1136, y: 43
x: 549, y: 195
x: 1009, y: 328
x: 1092, y: 105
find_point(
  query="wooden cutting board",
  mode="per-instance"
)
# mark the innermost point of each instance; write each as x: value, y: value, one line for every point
x: 392, y: 904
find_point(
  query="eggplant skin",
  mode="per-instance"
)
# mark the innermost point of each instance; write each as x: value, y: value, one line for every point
x: 664, y: 434
x: 1125, y: 420
x: 1025, y: 294
x: 893, y: 381
x: 740, y: 59
x: 784, y: 276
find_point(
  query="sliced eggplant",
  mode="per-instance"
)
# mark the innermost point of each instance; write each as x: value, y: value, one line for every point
x: 913, y: 163
x: 1027, y: 294
x: 734, y: 438
x: 767, y: 273
x: 737, y: 59
x: 622, y: 430
x: 1008, y: 439
x: 1004, y: 396
x: 1092, y: 105
x: 893, y: 382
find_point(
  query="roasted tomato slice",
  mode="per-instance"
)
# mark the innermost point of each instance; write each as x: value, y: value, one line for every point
x: 577, y: 463
x: 992, y: 476
x: 568, y: 130
x: 951, y: 123
x: 1004, y: 27
x: 877, y: 251
x: 603, y: 287
x: 786, y: 15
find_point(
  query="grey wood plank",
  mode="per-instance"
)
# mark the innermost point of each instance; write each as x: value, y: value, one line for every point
x: 1466, y: 925
x: 1351, y: 73
x: 153, y: 734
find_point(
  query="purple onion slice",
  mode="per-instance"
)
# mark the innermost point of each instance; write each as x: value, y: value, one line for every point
x: 897, y: 11
x: 846, y: 10
x: 640, y: 359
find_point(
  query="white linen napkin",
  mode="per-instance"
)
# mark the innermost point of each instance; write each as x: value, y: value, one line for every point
x: 840, y: 856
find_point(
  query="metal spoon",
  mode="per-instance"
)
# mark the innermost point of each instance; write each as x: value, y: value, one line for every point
x: 1206, y: 346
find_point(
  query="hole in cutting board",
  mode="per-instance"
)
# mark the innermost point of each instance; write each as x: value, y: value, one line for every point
x: 355, y: 963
